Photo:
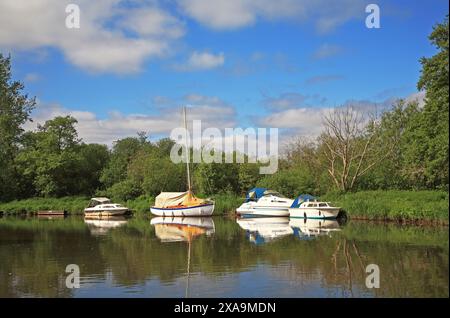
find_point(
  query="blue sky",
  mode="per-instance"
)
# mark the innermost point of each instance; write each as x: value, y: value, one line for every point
x: 133, y: 63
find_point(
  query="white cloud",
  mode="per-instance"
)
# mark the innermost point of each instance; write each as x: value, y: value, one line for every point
x: 152, y: 22
x: 306, y: 121
x: 233, y: 14
x: 201, y: 61
x: 210, y: 110
x: 101, y: 44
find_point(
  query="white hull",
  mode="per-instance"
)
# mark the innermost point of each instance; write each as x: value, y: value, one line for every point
x: 263, y: 211
x: 202, y: 210
x: 105, y: 212
x: 314, y: 213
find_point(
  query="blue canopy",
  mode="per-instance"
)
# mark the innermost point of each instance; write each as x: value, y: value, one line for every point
x: 302, y: 198
x: 255, y: 194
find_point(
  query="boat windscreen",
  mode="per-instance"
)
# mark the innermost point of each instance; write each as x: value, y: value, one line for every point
x: 274, y: 193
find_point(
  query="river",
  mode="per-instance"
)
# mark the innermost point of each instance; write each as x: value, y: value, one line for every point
x: 220, y: 257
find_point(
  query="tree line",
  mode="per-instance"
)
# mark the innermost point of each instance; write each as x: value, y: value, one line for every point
x: 406, y: 147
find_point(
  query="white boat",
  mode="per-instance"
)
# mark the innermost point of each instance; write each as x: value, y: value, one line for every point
x: 313, y: 227
x: 265, y: 202
x: 312, y: 209
x: 103, y: 207
x: 182, y: 203
x: 265, y: 229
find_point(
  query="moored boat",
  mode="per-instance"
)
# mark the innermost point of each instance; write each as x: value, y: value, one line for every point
x: 265, y: 202
x: 103, y: 207
x: 182, y: 203
x: 306, y: 206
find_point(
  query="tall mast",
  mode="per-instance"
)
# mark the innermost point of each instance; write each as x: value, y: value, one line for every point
x: 187, y: 151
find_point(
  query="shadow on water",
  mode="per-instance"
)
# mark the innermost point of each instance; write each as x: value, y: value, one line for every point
x: 207, y: 257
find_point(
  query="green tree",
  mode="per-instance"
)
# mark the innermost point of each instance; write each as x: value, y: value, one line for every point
x: 92, y: 159
x: 122, y: 153
x: 429, y: 139
x: 15, y: 109
x: 51, y: 160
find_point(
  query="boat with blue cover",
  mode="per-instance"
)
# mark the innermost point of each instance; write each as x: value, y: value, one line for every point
x: 265, y: 202
x: 306, y: 206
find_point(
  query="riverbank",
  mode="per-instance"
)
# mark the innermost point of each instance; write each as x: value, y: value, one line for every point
x: 225, y: 204
x: 417, y: 207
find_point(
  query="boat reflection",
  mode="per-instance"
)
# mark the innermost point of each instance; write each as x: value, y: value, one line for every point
x: 102, y: 225
x: 310, y: 228
x: 261, y: 230
x: 179, y: 229
x: 176, y: 229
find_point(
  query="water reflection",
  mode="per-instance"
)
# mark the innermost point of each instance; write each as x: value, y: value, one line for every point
x: 99, y: 226
x: 51, y: 217
x: 261, y: 230
x: 212, y: 257
x: 310, y: 228
x: 176, y: 229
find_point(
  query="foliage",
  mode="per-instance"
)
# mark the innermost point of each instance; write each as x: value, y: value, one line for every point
x: 15, y: 109
x: 393, y: 204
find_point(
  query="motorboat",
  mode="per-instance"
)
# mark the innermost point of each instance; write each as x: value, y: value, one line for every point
x: 309, y: 228
x: 265, y: 229
x: 99, y: 207
x: 265, y: 202
x: 306, y: 206
x: 181, y: 204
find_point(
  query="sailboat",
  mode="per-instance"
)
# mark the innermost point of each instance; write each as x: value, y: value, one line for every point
x: 182, y: 203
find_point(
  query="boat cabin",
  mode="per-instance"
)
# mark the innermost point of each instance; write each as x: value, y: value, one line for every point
x: 96, y: 201
x: 314, y: 204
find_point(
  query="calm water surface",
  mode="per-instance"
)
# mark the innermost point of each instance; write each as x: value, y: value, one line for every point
x: 219, y: 257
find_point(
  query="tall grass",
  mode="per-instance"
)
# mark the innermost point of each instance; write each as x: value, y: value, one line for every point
x: 226, y: 203
x: 141, y: 204
x: 73, y: 205
x: 393, y: 204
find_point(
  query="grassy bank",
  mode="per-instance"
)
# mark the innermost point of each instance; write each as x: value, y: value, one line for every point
x: 225, y: 203
x: 394, y: 205
x: 73, y: 205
